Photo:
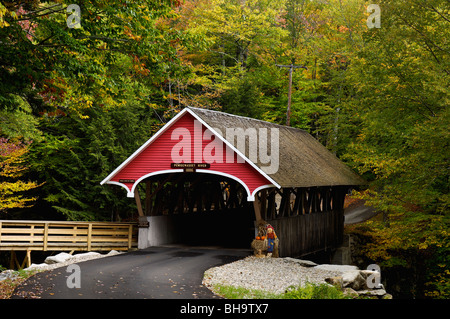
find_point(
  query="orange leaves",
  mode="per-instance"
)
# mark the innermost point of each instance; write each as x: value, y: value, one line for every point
x: 130, y: 34
x: 139, y: 67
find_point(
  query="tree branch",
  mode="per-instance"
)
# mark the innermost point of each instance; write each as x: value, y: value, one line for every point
x: 40, y: 15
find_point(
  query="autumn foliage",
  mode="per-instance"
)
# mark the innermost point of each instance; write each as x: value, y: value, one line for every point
x: 12, y: 168
x: 376, y: 97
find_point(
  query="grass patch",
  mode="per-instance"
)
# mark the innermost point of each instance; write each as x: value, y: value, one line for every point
x: 231, y: 292
x: 309, y: 291
x: 314, y: 291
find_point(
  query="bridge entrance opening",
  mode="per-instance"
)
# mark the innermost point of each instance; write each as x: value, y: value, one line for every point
x: 194, y: 209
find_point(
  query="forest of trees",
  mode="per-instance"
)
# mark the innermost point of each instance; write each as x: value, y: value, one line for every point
x: 76, y: 99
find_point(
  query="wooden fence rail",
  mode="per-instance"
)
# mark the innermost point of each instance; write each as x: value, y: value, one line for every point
x: 60, y: 235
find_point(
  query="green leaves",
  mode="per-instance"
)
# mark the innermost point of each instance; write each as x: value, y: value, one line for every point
x: 65, y: 67
x: 75, y: 154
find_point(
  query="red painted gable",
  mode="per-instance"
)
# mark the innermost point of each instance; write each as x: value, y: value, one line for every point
x: 186, y: 140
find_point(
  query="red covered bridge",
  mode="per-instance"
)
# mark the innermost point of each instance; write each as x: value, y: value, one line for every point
x: 204, y: 168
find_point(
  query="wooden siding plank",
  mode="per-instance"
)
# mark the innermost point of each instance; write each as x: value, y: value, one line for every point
x: 304, y: 234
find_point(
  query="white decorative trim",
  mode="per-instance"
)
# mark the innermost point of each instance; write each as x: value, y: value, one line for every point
x: 262, y: 187
x: 167, y: 171
x: 208, y: 171
x: 130, y: 193
x: 122, y: 185
x: 234, y: 148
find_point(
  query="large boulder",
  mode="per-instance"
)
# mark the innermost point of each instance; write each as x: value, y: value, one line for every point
x: 353, y: 279
x: 59, y: 258
x: 301, y: 262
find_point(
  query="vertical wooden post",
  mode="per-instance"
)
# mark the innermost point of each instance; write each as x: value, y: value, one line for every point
x: 45, y: 236
x: 257, y: 208
x: 130, y: 235
x: 27, y: 259
x: 89, y: 239
x: 291, y: 68
x: 137, y: 197
x: 75, y: 228
x: 264, y: 203
x: 288, y: 113
x: 271, y: 205
x: 32, y: 234
x: 297, y: 202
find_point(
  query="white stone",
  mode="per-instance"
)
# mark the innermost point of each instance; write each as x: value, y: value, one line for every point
x: 269, y: 274
x: 86, y: 256
x: 339, y: 268
x: 38, y: 267
x: 59, y: 258
x: 301, y: 262
x: 113, y: 253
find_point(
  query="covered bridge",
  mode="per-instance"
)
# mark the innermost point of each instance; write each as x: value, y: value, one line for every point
x: 209, y: 177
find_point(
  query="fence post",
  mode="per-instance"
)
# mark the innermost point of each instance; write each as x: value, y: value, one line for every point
x: 89, y: 236
x: 45, y: 236
x: 32, y: 234
x: 130, y: 235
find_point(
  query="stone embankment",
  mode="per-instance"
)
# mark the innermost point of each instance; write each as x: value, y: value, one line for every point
x: 275, y: 275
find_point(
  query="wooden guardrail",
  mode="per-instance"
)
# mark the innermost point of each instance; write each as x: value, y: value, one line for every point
x: 61, y: 235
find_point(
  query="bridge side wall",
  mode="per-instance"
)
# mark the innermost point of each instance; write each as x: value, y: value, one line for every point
x: 160, y: 231
x: 305, y: 234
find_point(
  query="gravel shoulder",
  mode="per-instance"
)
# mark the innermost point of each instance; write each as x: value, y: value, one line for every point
x: 273, y: 275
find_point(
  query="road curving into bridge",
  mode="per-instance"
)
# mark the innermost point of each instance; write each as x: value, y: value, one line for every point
x: 166, y: 272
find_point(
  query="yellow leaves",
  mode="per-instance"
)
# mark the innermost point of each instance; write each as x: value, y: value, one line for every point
x: 3, y: 12
x: 11, y: 169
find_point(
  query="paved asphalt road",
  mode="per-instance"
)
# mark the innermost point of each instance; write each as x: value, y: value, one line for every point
x: 156, y: 272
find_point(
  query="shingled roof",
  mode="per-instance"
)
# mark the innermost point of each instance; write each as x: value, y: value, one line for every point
x: 303, y: 161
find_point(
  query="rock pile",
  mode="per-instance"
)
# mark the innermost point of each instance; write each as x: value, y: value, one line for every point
x: 357, y: 283
x: 351, y: 280
x: 277, y: 274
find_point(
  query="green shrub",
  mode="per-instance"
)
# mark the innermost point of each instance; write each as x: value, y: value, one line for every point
x: 308, y: 291
x: 313, y: 291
